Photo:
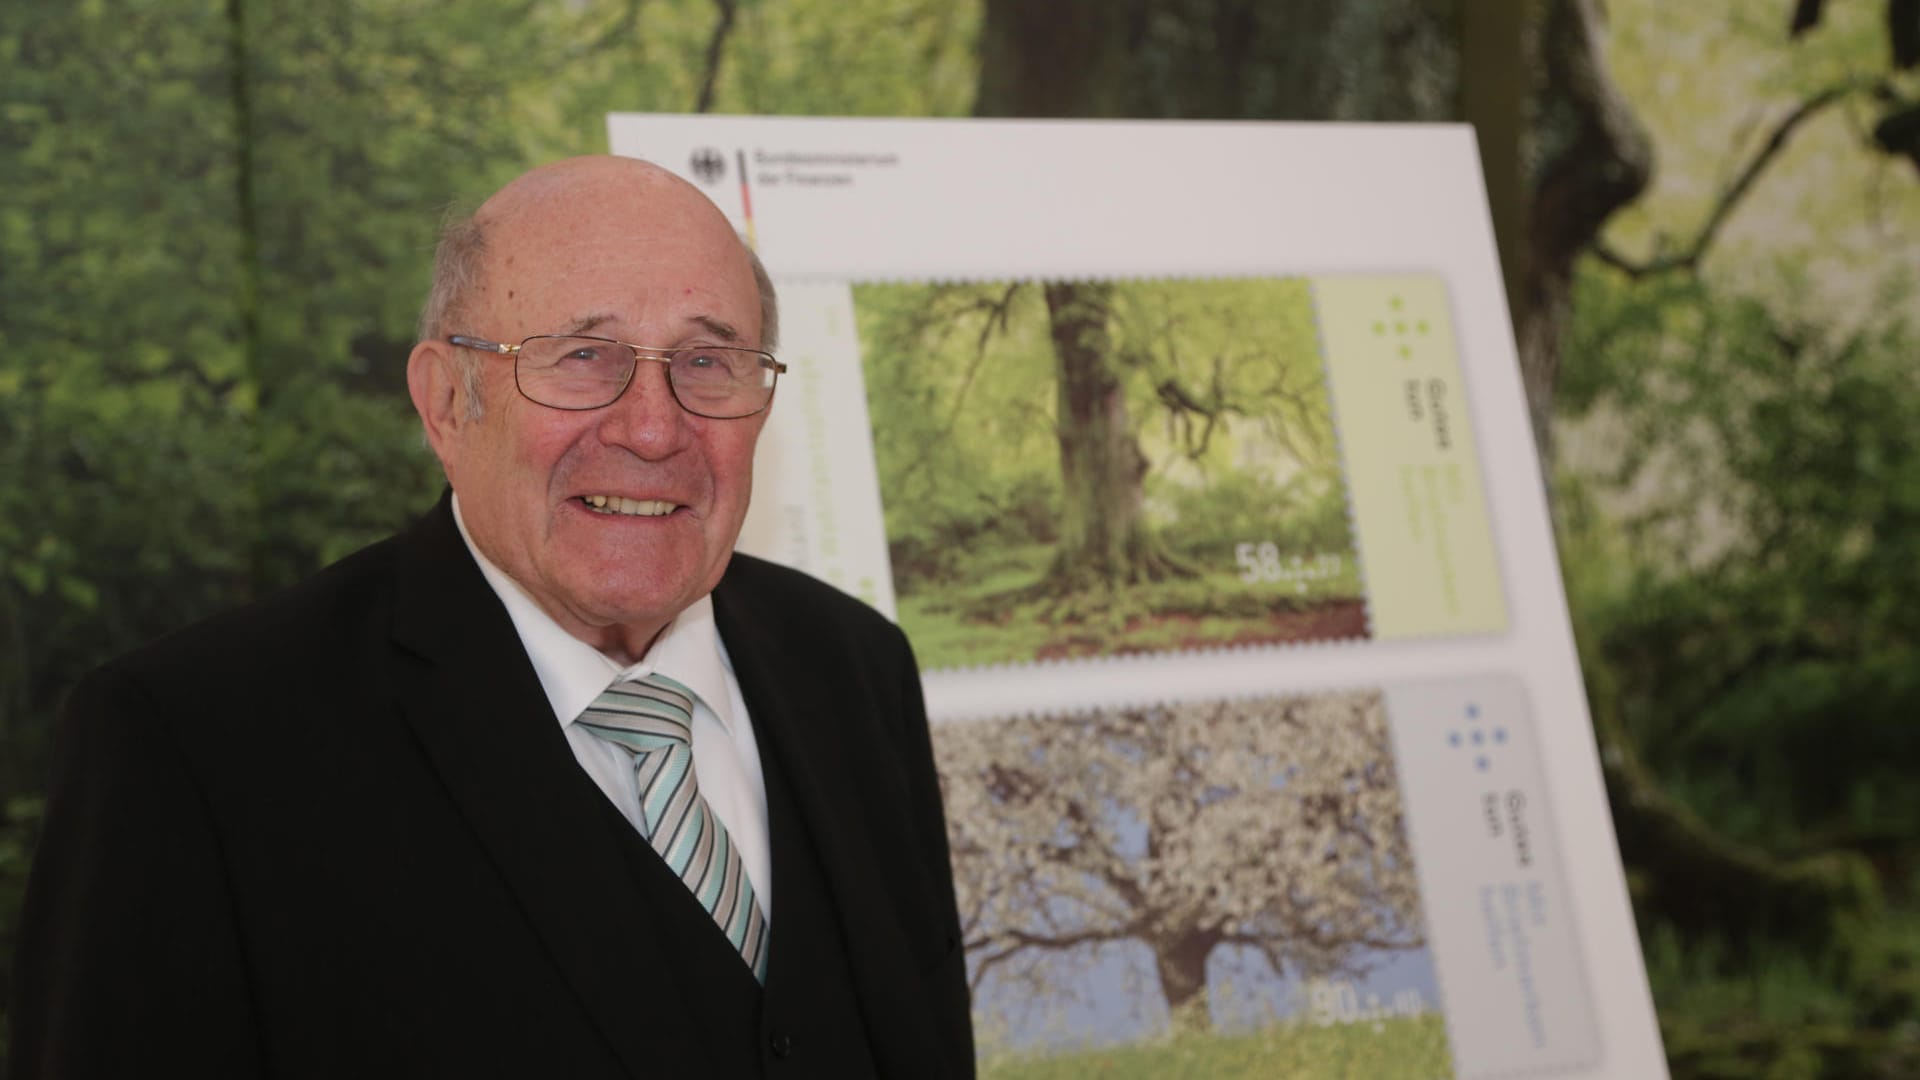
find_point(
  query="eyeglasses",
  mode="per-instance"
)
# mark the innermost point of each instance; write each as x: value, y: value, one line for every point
x: 575, y: 373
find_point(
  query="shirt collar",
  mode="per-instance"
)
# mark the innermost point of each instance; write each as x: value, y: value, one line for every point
x: 573, y: 672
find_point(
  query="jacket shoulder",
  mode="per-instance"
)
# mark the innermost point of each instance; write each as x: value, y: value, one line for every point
x: 770, y: 590
x: 344, y: 604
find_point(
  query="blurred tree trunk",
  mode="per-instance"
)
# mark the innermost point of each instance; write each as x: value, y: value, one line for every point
x: 1220, y: 59
x: 1180, y: 961
x: 1585, y: 156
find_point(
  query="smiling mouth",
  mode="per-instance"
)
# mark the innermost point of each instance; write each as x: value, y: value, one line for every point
x: 617, y: 504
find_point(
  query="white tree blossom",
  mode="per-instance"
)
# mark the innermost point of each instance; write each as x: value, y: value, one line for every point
x: 1274, y: 823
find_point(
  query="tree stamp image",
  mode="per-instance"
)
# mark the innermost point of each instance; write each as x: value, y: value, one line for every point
x: 1110, y: 467
x: 1217, y: 888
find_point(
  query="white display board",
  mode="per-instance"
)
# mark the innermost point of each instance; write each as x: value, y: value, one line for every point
x: 1311, y: 311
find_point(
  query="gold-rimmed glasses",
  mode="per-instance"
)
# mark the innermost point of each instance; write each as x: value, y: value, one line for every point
x: 577, y: 372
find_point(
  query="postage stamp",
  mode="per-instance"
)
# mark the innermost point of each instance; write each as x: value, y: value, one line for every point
x: 1336, y: 883
x: 1231, y: 876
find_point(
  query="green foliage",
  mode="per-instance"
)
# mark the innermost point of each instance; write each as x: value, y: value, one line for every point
x: 1740, y: 556
x: 868, y: 58
x: 1792, y: 1017
x: 124, y: 428
x: 1756, y: 605
x: 561, y: 67
x: 1741, y: 560
x: 959, y: 380
x: 1414, y: 1048
x: 1305, y: 515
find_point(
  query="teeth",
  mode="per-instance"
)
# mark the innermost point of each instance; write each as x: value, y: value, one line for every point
x: 615, y: 504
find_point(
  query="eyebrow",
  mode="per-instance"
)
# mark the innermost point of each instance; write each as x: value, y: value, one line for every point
x: 586, y: 323
x: 723, y: 331
x: 718, y: 328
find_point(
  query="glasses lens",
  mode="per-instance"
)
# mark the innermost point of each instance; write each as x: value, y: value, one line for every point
x: 573, y: 372
x: 720, y: 382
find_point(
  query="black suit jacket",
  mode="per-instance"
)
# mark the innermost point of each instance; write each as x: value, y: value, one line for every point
x: 340, y: 833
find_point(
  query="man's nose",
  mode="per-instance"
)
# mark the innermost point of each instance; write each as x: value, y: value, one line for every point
x: 645, y: 418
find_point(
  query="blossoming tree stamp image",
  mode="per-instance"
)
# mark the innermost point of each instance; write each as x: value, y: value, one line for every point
x: 1225, y: 878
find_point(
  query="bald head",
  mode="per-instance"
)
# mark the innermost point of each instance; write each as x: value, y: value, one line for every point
x: 595, y: 182
x: 559, y: 204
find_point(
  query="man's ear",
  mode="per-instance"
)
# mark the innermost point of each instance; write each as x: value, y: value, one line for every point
x: 439, y: 396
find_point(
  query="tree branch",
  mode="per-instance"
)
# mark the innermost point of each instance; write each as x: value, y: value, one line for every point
x: 997, y: 312
x: 988, y: 963
x: 1689, y: 259
x: 623, y: 29
x: 715, y: 45
x: 1015, y: 942
x: 1589, y: 156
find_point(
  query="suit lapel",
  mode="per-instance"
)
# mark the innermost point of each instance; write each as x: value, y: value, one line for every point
x: 480, y: 714
x: 802, y: 721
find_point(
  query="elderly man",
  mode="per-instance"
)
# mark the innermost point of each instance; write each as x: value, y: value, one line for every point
x: 515, y: 793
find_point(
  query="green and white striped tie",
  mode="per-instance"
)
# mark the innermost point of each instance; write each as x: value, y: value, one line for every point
x: 653, y: 718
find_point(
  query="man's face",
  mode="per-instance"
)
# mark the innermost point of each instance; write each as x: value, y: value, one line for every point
x: 650, y: 262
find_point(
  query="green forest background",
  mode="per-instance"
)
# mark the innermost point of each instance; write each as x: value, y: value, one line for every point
x: 216, y: 221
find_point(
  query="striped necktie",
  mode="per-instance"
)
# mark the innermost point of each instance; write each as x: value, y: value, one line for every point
x: 653, y: 718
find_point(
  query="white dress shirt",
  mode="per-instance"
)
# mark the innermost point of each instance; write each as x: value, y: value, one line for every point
x: 726, y: 759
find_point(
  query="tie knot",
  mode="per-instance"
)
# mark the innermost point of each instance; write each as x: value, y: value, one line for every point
x: 645, y: 714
